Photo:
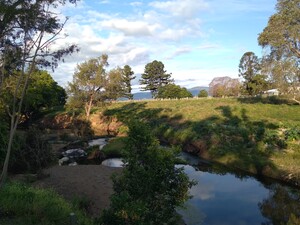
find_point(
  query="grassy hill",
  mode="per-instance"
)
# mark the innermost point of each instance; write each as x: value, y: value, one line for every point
x: 255, y: 135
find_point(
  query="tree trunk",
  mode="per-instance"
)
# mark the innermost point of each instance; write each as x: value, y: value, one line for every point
x: 88, y: 107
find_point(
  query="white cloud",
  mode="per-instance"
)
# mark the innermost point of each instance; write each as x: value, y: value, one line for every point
x: 136, y: 4
x: 130, y: 28
x: 181, y: 8
x: 137, y: 33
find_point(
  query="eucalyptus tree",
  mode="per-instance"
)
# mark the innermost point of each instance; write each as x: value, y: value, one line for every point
x: 282, y: 34
x: 89, y: 83
x: 154, y: 77
x: 281, y: 37
x: 27, y: 28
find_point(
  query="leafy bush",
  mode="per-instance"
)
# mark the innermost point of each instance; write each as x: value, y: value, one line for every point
x: 151, y: 187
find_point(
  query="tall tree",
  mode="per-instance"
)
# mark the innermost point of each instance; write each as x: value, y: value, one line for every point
x: 29, y: 28
x: 89, y: 81
x: 249, y: 67
x: 282, y: 38
x: 128, y: 76
x: 282, y: 34
x: 154, y: 77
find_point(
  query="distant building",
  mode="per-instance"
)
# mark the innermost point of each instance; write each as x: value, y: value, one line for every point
x: 272, y: 92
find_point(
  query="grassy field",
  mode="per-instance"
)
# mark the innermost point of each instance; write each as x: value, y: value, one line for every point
x: 256, y: 135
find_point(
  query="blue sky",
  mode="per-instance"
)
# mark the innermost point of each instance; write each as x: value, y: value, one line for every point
x: 196, y: 40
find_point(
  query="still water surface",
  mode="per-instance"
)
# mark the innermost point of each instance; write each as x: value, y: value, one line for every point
x: 223, y: 197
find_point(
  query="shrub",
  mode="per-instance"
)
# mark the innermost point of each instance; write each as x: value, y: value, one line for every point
x: 151, y: 187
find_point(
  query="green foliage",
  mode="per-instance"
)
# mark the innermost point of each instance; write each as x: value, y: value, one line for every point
x: 43, y: 93
x: 173, y: 91
x: 88, y: 82
x: 115, y: 86
x: 151, y: 187
x: 154, y: 77
x: 292, y: 133
x: 25, y: 205
x: 249, y: 70
x: 128, y: 76
x: 282, y: 32
x: 282, y: 38
x: 203, y: 94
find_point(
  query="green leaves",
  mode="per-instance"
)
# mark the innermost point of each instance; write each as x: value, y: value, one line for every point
x: 154, y: 77
x: 173, y: 91
x: 151, y: 187
x: 283, y: 30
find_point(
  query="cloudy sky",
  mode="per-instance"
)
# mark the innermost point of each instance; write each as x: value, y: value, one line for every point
x: 196, y: 40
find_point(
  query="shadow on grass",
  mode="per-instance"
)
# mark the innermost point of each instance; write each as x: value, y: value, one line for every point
x: 231, y: 138
x: 274, y: 100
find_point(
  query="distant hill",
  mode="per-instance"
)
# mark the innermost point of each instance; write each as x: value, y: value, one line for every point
x: 147, y: 95
x: 195, y: 90
x: 142, y: 95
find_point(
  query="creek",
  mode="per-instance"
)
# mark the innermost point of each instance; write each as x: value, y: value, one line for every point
x: 227, y: 197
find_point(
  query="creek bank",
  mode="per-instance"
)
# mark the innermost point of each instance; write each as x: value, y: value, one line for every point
x: 110, y: 126
x: 197, y: 148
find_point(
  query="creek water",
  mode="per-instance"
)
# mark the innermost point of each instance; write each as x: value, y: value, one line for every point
x: 224, y: 197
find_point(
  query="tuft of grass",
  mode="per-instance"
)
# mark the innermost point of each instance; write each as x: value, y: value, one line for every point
x: 24, y: 205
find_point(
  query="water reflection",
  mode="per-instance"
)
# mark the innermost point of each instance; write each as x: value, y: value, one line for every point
x: 224, y: 197
x: 114, y: 162
x: 280, y: 204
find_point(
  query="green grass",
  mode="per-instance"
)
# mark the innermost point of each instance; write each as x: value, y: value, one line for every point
x: 248, y: 134
x: 25, y: 205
